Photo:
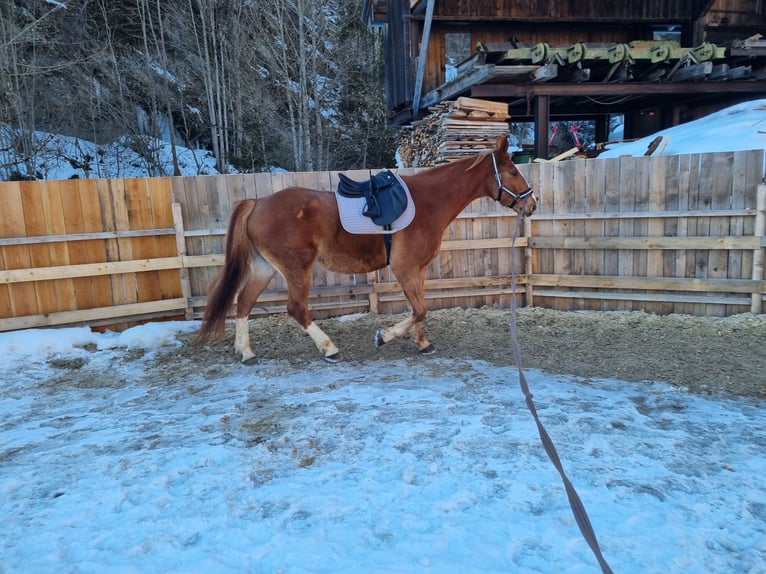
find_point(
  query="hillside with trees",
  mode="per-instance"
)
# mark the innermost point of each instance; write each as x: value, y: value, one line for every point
x: 296, y: 84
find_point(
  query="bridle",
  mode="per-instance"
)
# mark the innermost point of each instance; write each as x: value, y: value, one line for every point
x: 502, y: 189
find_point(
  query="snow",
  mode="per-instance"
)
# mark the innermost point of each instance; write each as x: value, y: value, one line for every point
x: 430, y: 465
x: 737, y: 128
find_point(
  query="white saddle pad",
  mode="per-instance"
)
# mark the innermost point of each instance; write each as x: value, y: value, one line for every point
x: 351, y: 208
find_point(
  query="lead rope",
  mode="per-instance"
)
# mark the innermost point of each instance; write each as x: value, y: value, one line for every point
x: 578, y: 509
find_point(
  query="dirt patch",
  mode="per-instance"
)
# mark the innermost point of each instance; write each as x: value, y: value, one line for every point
x: 705, y: 355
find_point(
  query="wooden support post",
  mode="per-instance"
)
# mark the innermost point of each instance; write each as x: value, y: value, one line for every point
x: 422, y: 58
x: 542, y: 126
x: 372, y: 279
x: 178, y: 223
x: 758, y: 258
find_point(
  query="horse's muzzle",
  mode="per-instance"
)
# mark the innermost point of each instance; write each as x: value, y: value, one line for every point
x: 524, y: 203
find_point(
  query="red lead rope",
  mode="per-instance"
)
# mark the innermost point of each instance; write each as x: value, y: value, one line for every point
x: 578, y: 509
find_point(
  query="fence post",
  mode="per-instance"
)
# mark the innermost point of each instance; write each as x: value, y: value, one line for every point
x: 372, y: 279
x: 178, y: 224
x: 758, y: 259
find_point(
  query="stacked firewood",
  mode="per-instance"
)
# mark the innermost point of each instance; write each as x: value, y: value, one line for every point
x: 452, y: 131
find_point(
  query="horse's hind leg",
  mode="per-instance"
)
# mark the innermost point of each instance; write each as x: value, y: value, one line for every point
x: 412, y: 285
x: 261, y: 273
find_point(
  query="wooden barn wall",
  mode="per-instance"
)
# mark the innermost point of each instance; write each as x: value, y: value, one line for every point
x: 592, y: 10
x: 663, y: 234
x: 399, y: 63
x: 736, y: 13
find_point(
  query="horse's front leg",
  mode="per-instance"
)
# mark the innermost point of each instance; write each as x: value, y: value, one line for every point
x: 412, y: 285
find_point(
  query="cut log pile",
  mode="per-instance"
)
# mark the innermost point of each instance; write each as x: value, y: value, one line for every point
x: 452, y: 131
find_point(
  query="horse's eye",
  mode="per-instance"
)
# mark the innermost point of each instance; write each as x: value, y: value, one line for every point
x: 514, y: 173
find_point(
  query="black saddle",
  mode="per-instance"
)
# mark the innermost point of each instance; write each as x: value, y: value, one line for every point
x: 386, y: 198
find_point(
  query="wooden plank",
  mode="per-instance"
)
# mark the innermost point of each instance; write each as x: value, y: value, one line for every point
x: 595, y: 190
x: 457, y: 283
x: 139, y: 205
x: 93, y: 222
x: 722, y: 193
x: 615, y: 216
x: 668, y: 226
x: 95, y: 315
x: 59, y: 252
x: 185, y: 193
x: 648, y: 283
x: 576, y: 204
x: 105, y: 235
x: 161, y: 195
x: 644, y: 243
x: 543, y: 260
x: 656, y: 297
x: 629, y: 168
x: 735, y: 258
x: 35, y: 224
x: 111, y: 245
x: 128, y: 293
x: 562, y: 190
x: 14, y: 300
x: 90, y: 270
x: 79, y: 252
x: 750, y: 189
x: 475, y: 104
x: 611, y: 227
x: 655, y: 201
x: 181, y: 249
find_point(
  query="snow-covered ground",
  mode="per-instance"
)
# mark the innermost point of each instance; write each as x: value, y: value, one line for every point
x: 63, y: 157
x: 429, y: 466
x: 737, y: 128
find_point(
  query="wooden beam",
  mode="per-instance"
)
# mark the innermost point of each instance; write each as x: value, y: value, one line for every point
x: 542, y: 125
x: 422, y: 59
x: 646, y: 283
x: 725, y: 243
x: 508, y: 90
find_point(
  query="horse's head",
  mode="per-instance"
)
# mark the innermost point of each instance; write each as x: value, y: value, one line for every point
x: 510, y: 188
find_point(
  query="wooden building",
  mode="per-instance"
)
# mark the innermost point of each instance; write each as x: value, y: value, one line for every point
x: 659, y: 63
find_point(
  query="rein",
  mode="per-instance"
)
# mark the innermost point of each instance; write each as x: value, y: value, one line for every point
x: 578, y: 509
x: 502, y: 189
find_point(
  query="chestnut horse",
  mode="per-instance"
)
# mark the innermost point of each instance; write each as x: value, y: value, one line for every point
x: 288, y: 231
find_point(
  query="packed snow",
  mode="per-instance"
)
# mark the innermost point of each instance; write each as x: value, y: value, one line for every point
x: 740, y: 127
x: 430, y: 465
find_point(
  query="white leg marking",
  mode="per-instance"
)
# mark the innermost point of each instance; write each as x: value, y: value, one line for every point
x: 398, y: 330
x: 242, y: 339
x: 321, y: 340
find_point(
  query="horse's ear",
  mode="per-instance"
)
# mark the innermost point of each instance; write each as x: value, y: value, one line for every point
x: 501, y: 144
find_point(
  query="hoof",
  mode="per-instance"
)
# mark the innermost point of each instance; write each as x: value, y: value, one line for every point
x: 250, y: 361
x: 333, y: 358
x: 379, y: 339
x: 429, y: 350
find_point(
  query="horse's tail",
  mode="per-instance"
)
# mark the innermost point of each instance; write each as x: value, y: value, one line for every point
x: 229, y: 279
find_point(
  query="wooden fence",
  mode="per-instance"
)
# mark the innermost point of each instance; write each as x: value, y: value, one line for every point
x: 681, y: 234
